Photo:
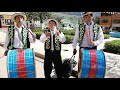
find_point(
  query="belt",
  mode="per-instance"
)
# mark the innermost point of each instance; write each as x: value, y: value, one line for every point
x: 95, y: 47
x: 52, y: 50
x: 17, y: 48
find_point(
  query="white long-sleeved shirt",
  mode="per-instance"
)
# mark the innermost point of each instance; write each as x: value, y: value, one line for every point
x: 99, y: 43
x: 17, y: 42
x: 61, y: 37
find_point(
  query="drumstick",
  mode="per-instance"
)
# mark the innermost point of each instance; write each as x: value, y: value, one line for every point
x: 27, y: 29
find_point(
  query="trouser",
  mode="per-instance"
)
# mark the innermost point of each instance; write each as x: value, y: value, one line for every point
x: 55, y: 58
x: 80, y: 58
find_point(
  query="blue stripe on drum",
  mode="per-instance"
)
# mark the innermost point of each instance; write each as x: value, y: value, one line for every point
x: 30, y: 66
x: 85, y: 64
x: 12, y: 64
x: 101, y: 64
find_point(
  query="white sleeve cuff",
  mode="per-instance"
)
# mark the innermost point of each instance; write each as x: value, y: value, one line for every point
x: 96, y: 43
x: 62, y: 37
x: 43, y: 38
x: 31, y: 38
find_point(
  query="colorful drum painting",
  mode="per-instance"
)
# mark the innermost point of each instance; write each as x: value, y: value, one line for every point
x: 93, y: 64
x: 21, y: 63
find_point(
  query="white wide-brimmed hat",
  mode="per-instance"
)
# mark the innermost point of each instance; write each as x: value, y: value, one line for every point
x: 17, y: 14
x: 87, y: 13
x: 57, y: 24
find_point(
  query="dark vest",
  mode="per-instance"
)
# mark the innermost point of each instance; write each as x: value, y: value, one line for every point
x: 25, y: 39
x: 56, y: 43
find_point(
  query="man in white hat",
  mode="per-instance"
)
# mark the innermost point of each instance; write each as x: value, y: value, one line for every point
x: 52, y: 39
x: 17, y: 36
x: 89, y: 34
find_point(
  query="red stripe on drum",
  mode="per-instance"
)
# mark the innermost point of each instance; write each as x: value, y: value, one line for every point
x: 21, y: 64
x: 93, y: 64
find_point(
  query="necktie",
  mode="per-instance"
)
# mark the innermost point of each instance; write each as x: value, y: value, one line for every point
x: 52, y: 33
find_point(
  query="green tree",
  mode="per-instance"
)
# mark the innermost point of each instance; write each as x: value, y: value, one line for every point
x: 31, y: 15
x: 43, y: 16
x: 38, y: 16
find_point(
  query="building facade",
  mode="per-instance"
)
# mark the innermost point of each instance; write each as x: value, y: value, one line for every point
x: 110, y: 21
x: 5, y: 19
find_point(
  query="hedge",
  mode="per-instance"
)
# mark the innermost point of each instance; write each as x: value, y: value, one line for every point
x: 106, y: 36
x: 69, y: 39
x: 38, y: 29
x: 112, y: 46
x: 38, y: 34
x: 68, y: 32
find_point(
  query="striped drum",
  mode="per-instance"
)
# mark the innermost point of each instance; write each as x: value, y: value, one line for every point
x: 92, y: 64
x: 21, y: 63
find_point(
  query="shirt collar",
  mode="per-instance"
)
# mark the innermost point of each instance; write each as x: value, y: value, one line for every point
x: 17, y: 27
x: 53, y: 31
x: 90, y: 25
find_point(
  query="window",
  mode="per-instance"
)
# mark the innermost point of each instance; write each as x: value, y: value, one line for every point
x: 116, y: 21
x: 104, y: 21
x: 7, y: 21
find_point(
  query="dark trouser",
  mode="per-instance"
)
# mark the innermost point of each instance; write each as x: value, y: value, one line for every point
x: 55, y: 58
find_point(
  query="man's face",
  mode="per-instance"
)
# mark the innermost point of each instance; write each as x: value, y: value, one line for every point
x: 51, y: 24
x: 17, y: 18
x: 87, y: 18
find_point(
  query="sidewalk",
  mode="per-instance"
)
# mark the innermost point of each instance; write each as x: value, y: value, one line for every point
x: 112, y: 65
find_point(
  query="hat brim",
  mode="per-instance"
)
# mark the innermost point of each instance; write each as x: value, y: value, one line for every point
x: 87, y: 14
x: 17, y: 14
x: 57, y: 24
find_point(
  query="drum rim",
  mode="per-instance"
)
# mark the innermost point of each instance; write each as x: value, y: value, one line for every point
x: 80, y: 73
x: 8, y: 65
x: 34, y: 63
x: 104, y: 62
x: 82, y: 62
